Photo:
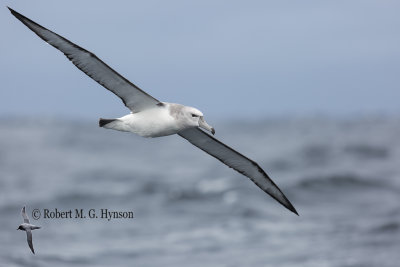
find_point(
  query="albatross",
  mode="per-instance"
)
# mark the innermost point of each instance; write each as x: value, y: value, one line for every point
x: 150, y: 117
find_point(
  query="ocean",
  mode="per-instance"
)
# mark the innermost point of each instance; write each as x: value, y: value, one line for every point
x: 188, y: 209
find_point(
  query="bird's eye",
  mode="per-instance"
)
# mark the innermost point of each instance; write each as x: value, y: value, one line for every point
x: 194, y: 115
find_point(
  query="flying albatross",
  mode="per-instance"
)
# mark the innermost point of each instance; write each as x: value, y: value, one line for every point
x: 150, y: 117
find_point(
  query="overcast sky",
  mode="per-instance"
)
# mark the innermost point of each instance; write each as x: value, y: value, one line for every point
x: 227, y: 58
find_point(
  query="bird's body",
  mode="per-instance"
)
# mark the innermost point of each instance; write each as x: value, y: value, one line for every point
x: 152, y: 118
x: 161, y: 120
x: 28, y: 228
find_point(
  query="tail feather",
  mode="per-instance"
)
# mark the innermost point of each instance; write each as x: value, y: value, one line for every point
x: 103, y: 122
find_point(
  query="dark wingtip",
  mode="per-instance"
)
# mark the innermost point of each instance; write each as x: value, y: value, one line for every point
x: 15, y: 13
x: 286, y: 203
x: 292, y: 209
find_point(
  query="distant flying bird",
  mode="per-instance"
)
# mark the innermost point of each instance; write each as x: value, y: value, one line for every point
x: 150, y: 117
x: 27, y: 227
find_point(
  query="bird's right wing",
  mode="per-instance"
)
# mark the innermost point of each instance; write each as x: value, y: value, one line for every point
x: 29, y: 239
x: 131, y: 95
x: 24, y: 215
x: 236, y: 161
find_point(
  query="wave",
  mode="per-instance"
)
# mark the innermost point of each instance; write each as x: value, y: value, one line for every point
x: 388, y: 227
x: 367, y: 151
x: 338, y: 181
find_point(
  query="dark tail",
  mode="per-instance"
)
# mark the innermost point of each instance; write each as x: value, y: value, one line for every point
x: 103, y: 122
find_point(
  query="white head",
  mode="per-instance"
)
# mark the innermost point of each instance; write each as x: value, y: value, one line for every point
x: 191, y: 117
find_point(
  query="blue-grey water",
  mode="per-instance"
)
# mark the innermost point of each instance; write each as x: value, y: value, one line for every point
x: 342, y: 175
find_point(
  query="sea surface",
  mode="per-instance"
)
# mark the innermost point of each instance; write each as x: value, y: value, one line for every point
x: 341, y: 174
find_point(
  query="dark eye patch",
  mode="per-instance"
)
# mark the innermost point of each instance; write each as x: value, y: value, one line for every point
x: 194, y: 115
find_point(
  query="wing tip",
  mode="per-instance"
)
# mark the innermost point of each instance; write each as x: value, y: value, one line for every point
x: 292, y: 209
x: 15, y: 13
x: 20, y: 17
x: 285, y: 202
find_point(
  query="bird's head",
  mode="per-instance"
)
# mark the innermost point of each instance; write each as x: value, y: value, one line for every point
x: 20, y: 227
x: 196, y: 119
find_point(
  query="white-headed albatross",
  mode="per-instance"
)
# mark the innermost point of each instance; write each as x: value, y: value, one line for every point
x: 150, y: 117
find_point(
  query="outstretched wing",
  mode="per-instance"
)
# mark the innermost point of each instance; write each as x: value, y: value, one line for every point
x: 29, y: 239
x: 236, y: 161
x: 131, y: 95
x: 24, y: 215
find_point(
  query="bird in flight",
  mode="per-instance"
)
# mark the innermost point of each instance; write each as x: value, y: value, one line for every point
x: 150, y: 117
x: 27, y: 227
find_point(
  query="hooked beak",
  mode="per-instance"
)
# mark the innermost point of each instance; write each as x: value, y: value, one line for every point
x: 203, y: 124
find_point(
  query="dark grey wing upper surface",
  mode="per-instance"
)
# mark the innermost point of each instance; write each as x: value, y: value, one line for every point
x: 29, y: 239
x: 131, y: 95
x: 24, y: 215
x: 237, y: 161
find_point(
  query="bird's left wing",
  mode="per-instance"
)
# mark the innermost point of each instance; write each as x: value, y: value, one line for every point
x: 24, y: 215
x: 237, y: 161
x: 131, y: 95
x: 29, y: 239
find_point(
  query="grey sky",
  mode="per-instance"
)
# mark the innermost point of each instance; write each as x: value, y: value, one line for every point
x: 241, y: 58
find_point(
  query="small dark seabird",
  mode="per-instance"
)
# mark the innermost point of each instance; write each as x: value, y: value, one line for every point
x: 150, y: 117
x: 27, y: 227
